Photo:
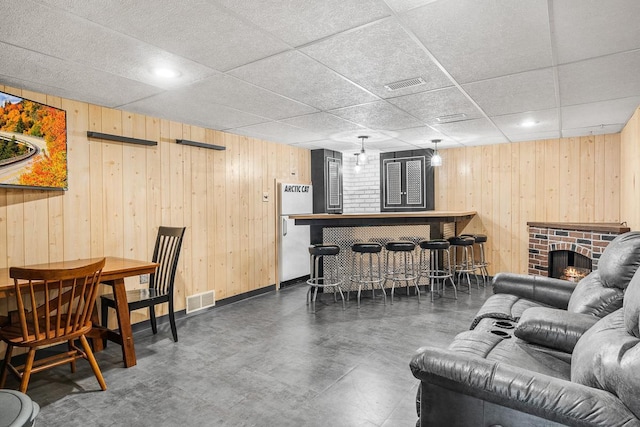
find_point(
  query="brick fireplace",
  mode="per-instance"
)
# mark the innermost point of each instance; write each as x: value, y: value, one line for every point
x: 582, y: 240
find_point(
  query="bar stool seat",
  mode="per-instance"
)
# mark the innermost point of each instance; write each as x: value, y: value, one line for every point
x: 366, y: 269
x: 436, y: 266
x: 401, y: 266
x: 466, y: 265
x: 330, y: 278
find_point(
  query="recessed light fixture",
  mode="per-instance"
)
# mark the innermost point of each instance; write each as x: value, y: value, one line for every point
x: 165, y: 73
x: 529, y: 123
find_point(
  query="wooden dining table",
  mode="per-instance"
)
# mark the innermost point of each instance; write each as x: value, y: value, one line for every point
x: 113, y: 274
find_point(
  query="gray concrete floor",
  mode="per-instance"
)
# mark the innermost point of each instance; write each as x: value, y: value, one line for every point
x: 264, y: 361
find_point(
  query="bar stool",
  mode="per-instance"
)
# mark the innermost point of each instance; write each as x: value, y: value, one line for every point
x: 437, y: 267
x: 464, y: 245
x: 401, y: 266
x: 331, y: 276
x: 366, y: 268
x: 481, y: 262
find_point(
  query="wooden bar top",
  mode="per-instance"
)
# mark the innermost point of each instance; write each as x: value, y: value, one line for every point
x: 382, y: 218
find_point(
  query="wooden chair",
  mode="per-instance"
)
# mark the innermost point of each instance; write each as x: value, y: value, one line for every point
x: 54, y: 306
x: 160, y: 290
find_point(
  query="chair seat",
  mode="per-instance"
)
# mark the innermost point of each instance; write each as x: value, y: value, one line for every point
x: 13, y: 334
x: 141, y: 297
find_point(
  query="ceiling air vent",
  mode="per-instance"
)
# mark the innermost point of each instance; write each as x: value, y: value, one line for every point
x: 451, y: 118
x: 405, y: 83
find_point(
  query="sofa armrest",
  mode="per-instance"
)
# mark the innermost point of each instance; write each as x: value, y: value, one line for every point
x: 545, y: 290
x: 553, y: 328
x: 520, y: 389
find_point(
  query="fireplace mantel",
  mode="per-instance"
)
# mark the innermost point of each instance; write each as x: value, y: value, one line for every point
x: 602, y: 227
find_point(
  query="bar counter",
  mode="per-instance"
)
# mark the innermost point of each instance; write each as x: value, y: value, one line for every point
x: 346, y: 229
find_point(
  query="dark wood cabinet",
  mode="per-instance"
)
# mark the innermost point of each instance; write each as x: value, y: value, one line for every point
x: 326, y: 177
x: 406, y: 181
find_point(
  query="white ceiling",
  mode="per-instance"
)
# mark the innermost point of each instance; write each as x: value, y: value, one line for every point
x: 312, y: 73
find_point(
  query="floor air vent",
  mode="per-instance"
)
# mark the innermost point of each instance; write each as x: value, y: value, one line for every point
x: 200, y: 301
x: 405, y: 83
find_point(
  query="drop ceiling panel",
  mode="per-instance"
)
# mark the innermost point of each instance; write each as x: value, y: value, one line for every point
x: 528, y: 91
x: 472, y: 132
x: 69, y: 79
x: 600, y: 79
x: 194, y: 29
x: 277, y: 132
x: 327, y: 144
x: 303, y: 21
x: 590, y: 28
x: 615, y: 112
x: 422, y: 136
x: 376, y: 55
x: 194, y: 111
x: 437, y: 103
x: 514, y: 125
x: 592, y: 130
x: 476, y: 40
x: 234, y: 93
x: 299, y: 77
x: 378, y: 115
x: 322, y: 123
x: 84, y: 42
x: 404, y: 5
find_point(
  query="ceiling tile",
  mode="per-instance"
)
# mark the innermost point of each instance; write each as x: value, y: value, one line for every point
x: 422, y: 136
x: 376, y: 55
x: 528, y: 91
x: 614, y: 112
x: 472, y: 132
x: 437, y: 103
x: 194, y: 29
x: 84, y: 42
x: 234, y: 93
x: 590, y: 28
x: 302, y: 21
x: 377, y: 115
x: 277, y: 132
x: 299, y: 77
x: 326, y: 144
x: 592, y: 130
x: 476, y: 40
x: 193, y: 111
x: 322, y: 123
x: 513, y: 125
x: 50, y: 75
x: 600, y: 79
x: 404, y: 5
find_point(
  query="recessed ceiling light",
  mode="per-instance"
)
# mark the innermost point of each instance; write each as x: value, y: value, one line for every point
x: 166, y: 73
x: 529, y: 123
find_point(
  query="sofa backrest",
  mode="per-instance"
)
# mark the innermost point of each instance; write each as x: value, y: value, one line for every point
x: 607, y: 356
x: 602, y: 291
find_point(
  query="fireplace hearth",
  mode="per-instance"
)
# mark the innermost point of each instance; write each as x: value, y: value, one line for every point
x: 555, y: 247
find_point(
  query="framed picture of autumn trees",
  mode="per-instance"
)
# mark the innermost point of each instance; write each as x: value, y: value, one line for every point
x: 33, y: 144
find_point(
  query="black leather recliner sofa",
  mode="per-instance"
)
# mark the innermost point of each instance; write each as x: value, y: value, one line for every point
x: 537, y: 366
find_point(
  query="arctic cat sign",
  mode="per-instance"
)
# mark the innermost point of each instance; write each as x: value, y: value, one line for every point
x: 296, y: 188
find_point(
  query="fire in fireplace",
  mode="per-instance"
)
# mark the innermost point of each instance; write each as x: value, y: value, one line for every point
x: 568, y: 265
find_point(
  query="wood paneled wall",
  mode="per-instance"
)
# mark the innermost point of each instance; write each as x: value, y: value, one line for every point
x: 565, y: 180
x: 630, y: 172
x: 120, y: 193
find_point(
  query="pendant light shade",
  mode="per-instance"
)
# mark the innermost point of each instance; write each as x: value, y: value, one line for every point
x: 358, y: 167
x: 362, y: 156
x: 436, y: 159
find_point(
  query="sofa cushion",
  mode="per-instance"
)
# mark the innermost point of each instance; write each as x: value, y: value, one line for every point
x: 607, y: 357
x: 592, y: 296
x: 553, y: 328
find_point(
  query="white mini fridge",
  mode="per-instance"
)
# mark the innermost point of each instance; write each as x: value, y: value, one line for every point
x: 293, y: 240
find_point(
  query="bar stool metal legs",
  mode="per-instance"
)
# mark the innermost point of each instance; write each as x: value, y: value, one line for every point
x: 400, y: 266
x: 435, y: 265
x: 481, y: 262
x: 331, y: 276
x: 366, y: 268
x: 464, y: 266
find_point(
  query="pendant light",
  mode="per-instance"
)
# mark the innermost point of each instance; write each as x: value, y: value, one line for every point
x: 357, y: 168
x: 362, y: 156
x: 436, y: 159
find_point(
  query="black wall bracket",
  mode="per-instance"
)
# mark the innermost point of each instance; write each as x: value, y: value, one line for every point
x: 200, y: 144
x: 118, y: 138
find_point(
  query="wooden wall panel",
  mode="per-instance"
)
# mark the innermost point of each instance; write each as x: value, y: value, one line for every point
x: 569, y: 179
x: 120, y: 193
x: 629, y: 172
